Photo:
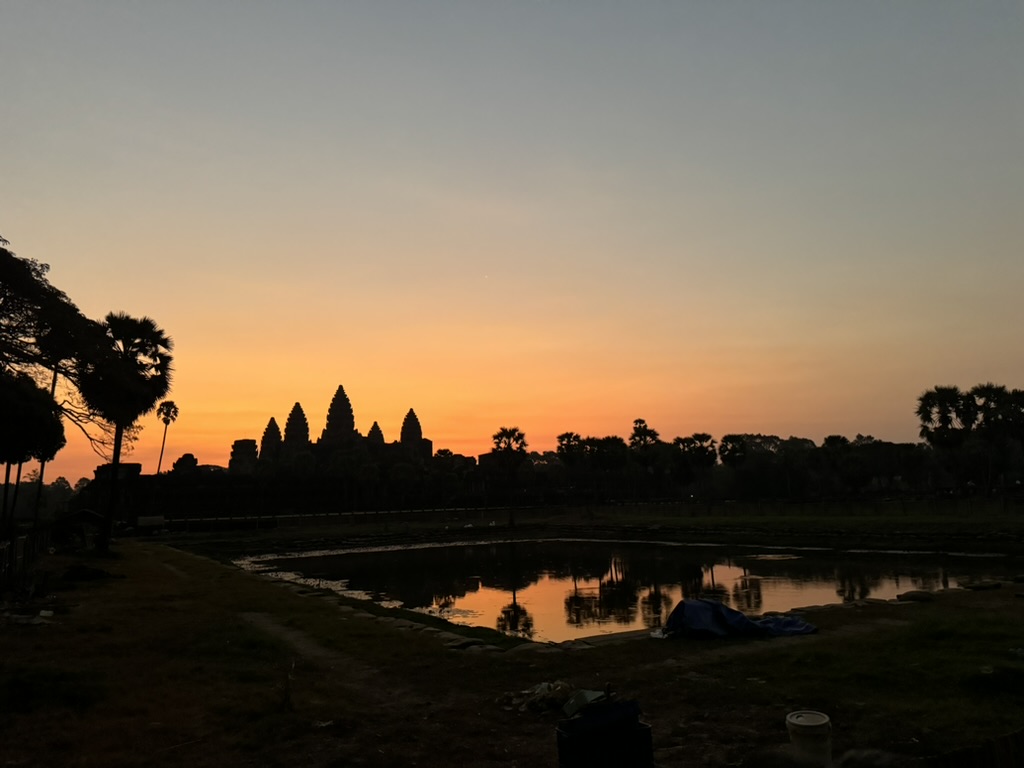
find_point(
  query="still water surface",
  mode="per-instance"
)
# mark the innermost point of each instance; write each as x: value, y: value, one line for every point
x: 562, y: 590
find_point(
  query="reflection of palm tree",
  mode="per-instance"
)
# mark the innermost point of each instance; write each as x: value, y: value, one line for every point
x: 582, y: 608
x: 712, y: 590
x: 854, y: 586
x: 719, y: 593
x: 746, y: 594
x: 617, y: 593
x: 654, y: 605
x: 579, y: 609
x: 443, y: 603
x: 446, y: 594
x: 515, y: 620
x: 690, y: 578
x: 614, y: 598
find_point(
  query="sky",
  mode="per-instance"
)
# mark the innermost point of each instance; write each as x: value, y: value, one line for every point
x: 787, y: 217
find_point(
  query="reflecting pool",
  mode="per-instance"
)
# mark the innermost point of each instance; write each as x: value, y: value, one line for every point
x: 562, y: 590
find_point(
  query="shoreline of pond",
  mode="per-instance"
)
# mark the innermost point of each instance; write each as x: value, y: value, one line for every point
x: 868, y: 664
x: 751, y: 577
x: 984, y: 536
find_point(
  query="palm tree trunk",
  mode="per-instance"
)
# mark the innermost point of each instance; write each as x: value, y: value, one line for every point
x: 42, y: 463
x: 17, y: 489
x: 163, y: 442
x: 3, y: 510
x: 107, y: 526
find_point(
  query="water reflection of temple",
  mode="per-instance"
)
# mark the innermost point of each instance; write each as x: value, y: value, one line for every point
x: 575, y: 589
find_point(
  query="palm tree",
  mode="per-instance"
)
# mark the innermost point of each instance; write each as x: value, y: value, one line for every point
x: 700, y: 452
x: 40, y: 329
x: 509, y: 439
x: 168, y: 412
x: 946, y: 415
x: 509, y: 453
x: 994, y: 426
x: 993, y: 403
x: 122, y: 382
x: 32, y: 430
x: 643, y: 436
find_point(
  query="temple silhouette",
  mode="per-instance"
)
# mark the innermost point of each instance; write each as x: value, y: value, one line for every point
x: 338, y: 445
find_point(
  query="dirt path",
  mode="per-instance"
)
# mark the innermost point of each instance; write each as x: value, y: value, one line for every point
x: 302, y: 644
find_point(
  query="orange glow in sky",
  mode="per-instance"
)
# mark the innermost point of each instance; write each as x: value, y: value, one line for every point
x: 786, y: 218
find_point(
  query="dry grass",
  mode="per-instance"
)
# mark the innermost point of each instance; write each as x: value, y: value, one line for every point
x: 163, y: 664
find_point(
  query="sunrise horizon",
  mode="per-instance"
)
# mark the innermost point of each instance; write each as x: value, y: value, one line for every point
x: 189, y: 435
x: 779, y: 218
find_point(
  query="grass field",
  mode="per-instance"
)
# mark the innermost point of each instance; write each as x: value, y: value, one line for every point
x: 170, y: 658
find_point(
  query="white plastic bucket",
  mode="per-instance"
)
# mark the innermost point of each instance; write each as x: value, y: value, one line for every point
x: 810, y: 734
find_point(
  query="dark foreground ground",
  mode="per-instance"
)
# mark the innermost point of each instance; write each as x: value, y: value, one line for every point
x: 161, y: 657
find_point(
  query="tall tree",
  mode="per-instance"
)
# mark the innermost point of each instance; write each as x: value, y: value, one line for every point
x: 700, y: 454
x: 41, y: 332
x: 569, y: 443
x: 996, y: 410
x: 571, y: 450
x: 994, y: 429
x: 1016, y: 415
x: 168, y: 412
x: 795, y: 459
x: 946, y: 415
x: 122, y: 382
x: 509, y: 439
x: 25, y: 297
x: 643, y: 436
x: 32, y: 429
x: 699, y: 449
x: 67, y: 335
x: 732, y: 450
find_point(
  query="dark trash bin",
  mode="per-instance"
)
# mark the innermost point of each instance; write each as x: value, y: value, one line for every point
x: 605, y: 735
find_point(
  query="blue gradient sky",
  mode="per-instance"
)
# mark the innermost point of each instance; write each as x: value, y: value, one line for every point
x: 782, y: 217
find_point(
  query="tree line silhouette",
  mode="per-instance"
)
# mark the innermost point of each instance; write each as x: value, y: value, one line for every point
x: 972, y: 445
x: 605, y: 583
x: 345, y: 470
x: 58, y: 367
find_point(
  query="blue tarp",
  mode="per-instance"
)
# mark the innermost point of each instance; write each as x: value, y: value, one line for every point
x: 709, y: 618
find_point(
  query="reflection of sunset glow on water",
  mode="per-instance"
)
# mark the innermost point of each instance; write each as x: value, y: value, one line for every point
x: 547, y: 601
x: 557, y: 591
